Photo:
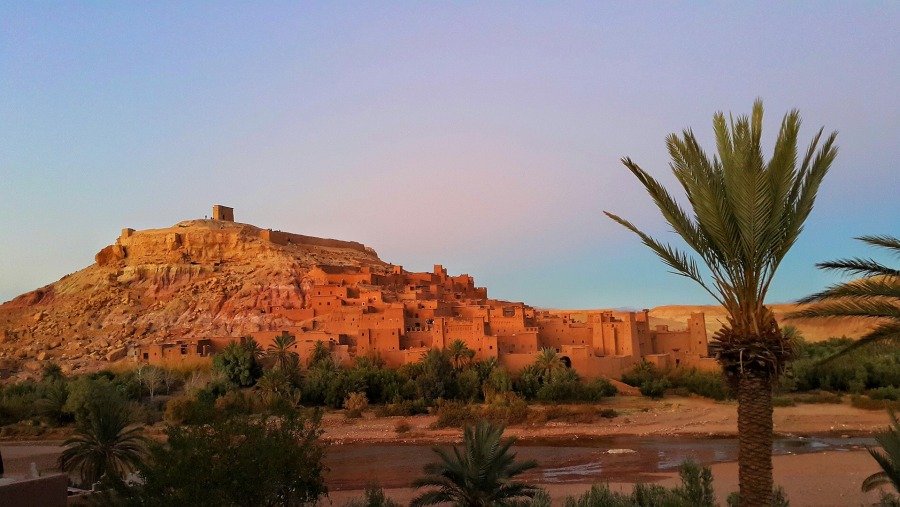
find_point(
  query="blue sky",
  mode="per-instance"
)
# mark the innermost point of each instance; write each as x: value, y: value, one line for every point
x: 482, y: 136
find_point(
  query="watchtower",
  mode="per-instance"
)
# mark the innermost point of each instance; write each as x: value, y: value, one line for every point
x: 223, y: 213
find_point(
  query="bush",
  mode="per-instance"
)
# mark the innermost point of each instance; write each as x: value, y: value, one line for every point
x: 355, y: 404
x: 452, y: 414
x: 244, y: 461
x: 404, y: 408
x: 885, y: 393
x: 654, y: 388
x: 866, y: 403
x: 696, y: 490
x: 373, y: 497
x: 238, y: 364
x: 779, y: 499
x: 402, y: 426
x: 649, y: 380
x: 708, y: 384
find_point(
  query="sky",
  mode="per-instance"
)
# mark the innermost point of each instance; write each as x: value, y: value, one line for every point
x: 483, y: 136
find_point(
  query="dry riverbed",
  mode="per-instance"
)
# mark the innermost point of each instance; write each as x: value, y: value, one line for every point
x: 820, y: 461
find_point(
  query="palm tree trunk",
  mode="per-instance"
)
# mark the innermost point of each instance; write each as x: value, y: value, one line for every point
x: 755, y: 438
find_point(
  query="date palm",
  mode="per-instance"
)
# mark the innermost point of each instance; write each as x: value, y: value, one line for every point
x: 874, y: 296
x: 103, y: 446
x: 280, y: 351
x: 460, y: 354
x: 479, y: 474
x: 547, y: 363
x: 746, y: 214
x: 888, y: 458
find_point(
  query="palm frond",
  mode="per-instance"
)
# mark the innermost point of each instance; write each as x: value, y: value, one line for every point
x: 883, y: 241
x: 859, y: 266
x: 677, y: 260
x: 865, y: 288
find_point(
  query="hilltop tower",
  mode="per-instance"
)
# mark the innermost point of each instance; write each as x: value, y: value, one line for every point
x: 223, y: 213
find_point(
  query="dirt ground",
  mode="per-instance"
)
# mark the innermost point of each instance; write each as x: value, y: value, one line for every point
x: 828, y: 478
x: 825, y: 478
x: 639, y: 417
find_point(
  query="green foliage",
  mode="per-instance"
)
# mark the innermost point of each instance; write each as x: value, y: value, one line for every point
x: 239, y: 364
x: 52, y: 402
x: 244, y: 461
x: 875, y: 296
x: 86, y: 392
x: 403, y: 408
x: 51, y: 372
x: 779, y: 499
x: 480, y: 473
x: 888, y: 458
x: 648, y: 379
x: 855, y: 372
x: 708, y: 384
x: 436, y: 377
x: 696, y: 490
x: 373, y: 497
x: 103, y: 447
x: 281, y: 354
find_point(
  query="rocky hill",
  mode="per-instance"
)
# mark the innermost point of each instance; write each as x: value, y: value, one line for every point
x: 206, y: 277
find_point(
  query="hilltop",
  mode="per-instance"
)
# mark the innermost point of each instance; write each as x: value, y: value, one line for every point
x: 212, y: 277
x: 220, y: 278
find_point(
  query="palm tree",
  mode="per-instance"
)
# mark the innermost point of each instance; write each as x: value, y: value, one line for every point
x: 479, y: 474
x: 280, y: 350
x: 255, y: 349
x: 547, y: 363
x: 460, y: 354
x: 888, y: 458
x: 875, y: 296
x: 747, y: 213
x: 103, y: 445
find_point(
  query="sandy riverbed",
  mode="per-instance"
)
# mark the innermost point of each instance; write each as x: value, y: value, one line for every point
x: 825, y: 478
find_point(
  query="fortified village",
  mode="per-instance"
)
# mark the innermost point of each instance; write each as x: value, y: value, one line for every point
x: 399, y: 315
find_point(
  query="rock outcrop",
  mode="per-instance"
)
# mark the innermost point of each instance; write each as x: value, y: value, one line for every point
x: 200, y: 277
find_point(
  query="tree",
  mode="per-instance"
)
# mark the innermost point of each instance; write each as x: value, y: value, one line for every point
x: 238, y: 364
x: 479, y: 474
x: 460, y: 354
x: 104, y: 446
x: 239, y: 461
x: 280, y: 351
x: 888, y: 458
x: 874, y: 296
x: 547, y: 363
x: 153, y: 379
x: 747, y: 213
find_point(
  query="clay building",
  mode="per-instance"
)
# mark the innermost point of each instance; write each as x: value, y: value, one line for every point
x: 400, y: 315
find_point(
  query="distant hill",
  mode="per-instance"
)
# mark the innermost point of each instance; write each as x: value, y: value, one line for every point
x: 812, y: 330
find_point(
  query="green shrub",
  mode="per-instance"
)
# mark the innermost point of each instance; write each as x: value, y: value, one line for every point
x: 373, y: 497
x: 783, y: 401
x: 708, y: 384
x: 779, y: 499
x: 696, y: 490
x: 238, y: 364
x: 866, y: 403
x: 453, y: 414
x: 885, y: 393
